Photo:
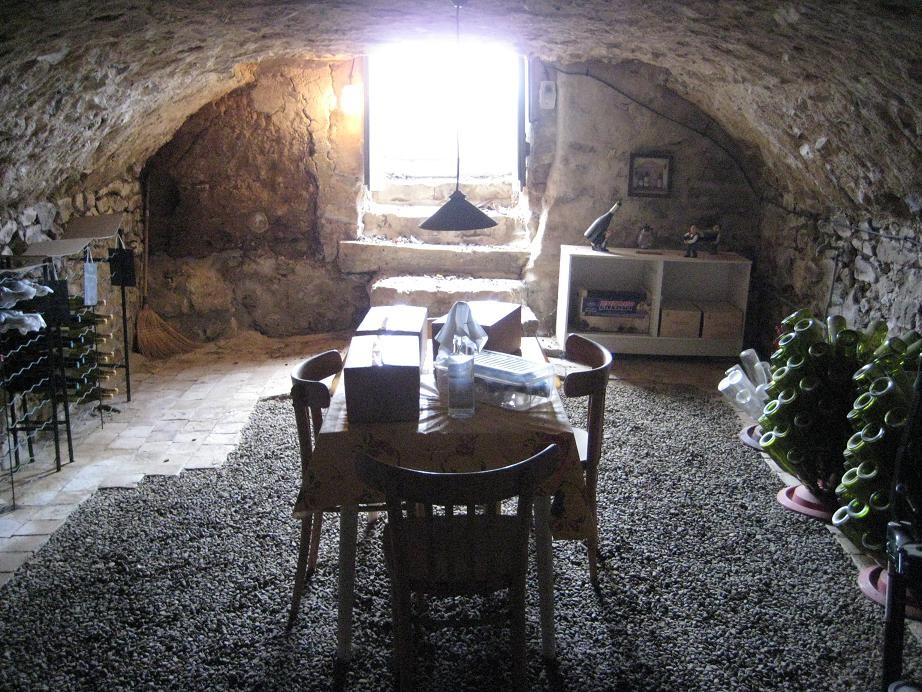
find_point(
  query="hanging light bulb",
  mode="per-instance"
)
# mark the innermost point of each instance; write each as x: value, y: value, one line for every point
x: 457, y: 214
x: 350, y: 101
x: 352, y: 96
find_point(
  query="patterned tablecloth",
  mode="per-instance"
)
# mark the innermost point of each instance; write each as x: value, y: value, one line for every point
x: 492, y: 437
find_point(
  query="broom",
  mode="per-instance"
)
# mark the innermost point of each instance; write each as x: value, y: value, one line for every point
x: 155, y: 338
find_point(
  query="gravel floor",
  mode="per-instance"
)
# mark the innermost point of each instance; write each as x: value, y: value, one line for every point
x: 709, y: 584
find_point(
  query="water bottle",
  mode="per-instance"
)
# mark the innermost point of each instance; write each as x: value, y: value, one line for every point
x: 460, y: 381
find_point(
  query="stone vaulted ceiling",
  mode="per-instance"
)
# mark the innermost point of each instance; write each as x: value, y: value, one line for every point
x: 827, y: 96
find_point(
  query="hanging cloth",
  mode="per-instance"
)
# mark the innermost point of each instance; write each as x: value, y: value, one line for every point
x: 90, y: 280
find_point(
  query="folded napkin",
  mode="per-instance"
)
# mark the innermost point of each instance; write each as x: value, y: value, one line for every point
x: 461, y: 328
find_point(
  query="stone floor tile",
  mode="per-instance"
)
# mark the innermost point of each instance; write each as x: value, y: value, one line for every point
x: 38, y: 527
x: 122, y: 480
x: 122, y: 442
x: 22, y: 544
x: 10, y: 562
x: 226, y: 426
x: 78, y: 485
x: 138, y: 431
x: 53, y: 512
x: 199, y: 426
x: 216, y: 438
x: 10, y: 523
x: 162, y: 435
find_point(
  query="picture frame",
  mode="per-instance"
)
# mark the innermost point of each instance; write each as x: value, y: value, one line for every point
x: 650, y: 175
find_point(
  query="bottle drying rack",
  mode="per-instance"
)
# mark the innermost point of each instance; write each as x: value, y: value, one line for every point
x: 44, y: 372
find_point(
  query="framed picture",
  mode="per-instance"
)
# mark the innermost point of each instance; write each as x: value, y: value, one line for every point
x: 650, y: 175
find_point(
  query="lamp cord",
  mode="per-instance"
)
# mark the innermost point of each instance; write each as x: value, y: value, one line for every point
x: 457, y: 4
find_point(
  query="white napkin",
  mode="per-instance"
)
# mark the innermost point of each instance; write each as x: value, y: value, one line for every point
x: 460, y: 323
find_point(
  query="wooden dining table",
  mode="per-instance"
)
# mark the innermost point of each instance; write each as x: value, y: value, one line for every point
x: 491, y: 438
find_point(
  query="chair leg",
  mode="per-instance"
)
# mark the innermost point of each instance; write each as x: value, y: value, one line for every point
x: 300, y: 570
x: 517, y: 636
x: 593, y: 541
x: 403, y: 639
x: 315, y: 543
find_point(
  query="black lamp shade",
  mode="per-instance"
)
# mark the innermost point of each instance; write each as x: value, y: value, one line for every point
x: 457, y: 214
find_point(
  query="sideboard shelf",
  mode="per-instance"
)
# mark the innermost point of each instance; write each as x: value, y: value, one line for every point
x: 663, y: 275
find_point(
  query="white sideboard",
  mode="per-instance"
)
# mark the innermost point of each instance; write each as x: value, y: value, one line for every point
x: 664, y: 275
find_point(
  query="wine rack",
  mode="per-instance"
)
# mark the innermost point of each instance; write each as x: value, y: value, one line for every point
x: 71, y: 360
x: 30, y: 377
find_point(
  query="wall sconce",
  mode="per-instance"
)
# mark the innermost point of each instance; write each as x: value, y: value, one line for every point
x: 352, y: 97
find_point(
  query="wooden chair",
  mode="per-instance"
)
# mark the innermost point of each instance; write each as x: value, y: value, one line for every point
x: 477, y: 550
x: 592, y: 383
x: 309, y: 396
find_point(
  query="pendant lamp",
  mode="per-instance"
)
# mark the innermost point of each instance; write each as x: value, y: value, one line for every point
x: 457, y: 214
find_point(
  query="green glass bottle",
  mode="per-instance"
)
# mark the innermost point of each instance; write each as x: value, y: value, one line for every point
x: 910, y: 359
x: 895, y: 420
x: 866, y: 374
x: 795, y: 317
x: 879, y: 502
x: 894, y: 346
x: 872, y: 337
x: 809, y: 389
x: 809, y: 330
x: 834, y: 325
x: 886, y: 394
x: 775, y: 443
x: 791, y: 344
x: 847, y: 344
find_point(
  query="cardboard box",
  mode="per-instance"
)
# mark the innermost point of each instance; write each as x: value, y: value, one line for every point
x: 680, y: 318
x: 381, y: 376
x: 501, y: 321
x: 720, y: 320
x: 614, y: 311
x: 408, y: 320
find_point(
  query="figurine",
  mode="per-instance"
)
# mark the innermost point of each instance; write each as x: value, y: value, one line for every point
x: 695, y: 238
x: 645, y: 237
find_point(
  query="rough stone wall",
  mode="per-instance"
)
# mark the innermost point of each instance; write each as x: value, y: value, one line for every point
x: 859, y: 267
x: 47, y: 220
x: 581, y: 161
x: 248, y: 202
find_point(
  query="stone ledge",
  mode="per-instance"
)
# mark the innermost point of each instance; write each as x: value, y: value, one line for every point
x: 369, y: 256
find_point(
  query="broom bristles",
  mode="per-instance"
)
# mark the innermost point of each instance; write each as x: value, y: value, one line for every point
x: 157, y: 339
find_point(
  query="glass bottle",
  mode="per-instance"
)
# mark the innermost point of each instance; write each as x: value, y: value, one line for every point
x: 872, y: 337
x: 847, y: 344
x: 809, y: 330
x: 460, y: 381
x: 834, y: 325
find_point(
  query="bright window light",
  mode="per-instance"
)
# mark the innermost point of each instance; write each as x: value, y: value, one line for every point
x: 421, y: 94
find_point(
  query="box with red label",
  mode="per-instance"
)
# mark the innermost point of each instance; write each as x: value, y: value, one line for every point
x: 614, y: 311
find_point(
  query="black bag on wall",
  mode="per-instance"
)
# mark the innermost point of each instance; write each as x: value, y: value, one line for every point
x: 121, y: 267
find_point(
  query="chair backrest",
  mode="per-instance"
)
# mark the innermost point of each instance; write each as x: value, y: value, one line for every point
x: 309, y: 396
x: 592, y: 383
x: 478, y: 494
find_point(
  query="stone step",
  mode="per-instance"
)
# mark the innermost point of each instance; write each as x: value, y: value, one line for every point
x: 438, y: 293
x: 370, y: 256
x: 401, y: 222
